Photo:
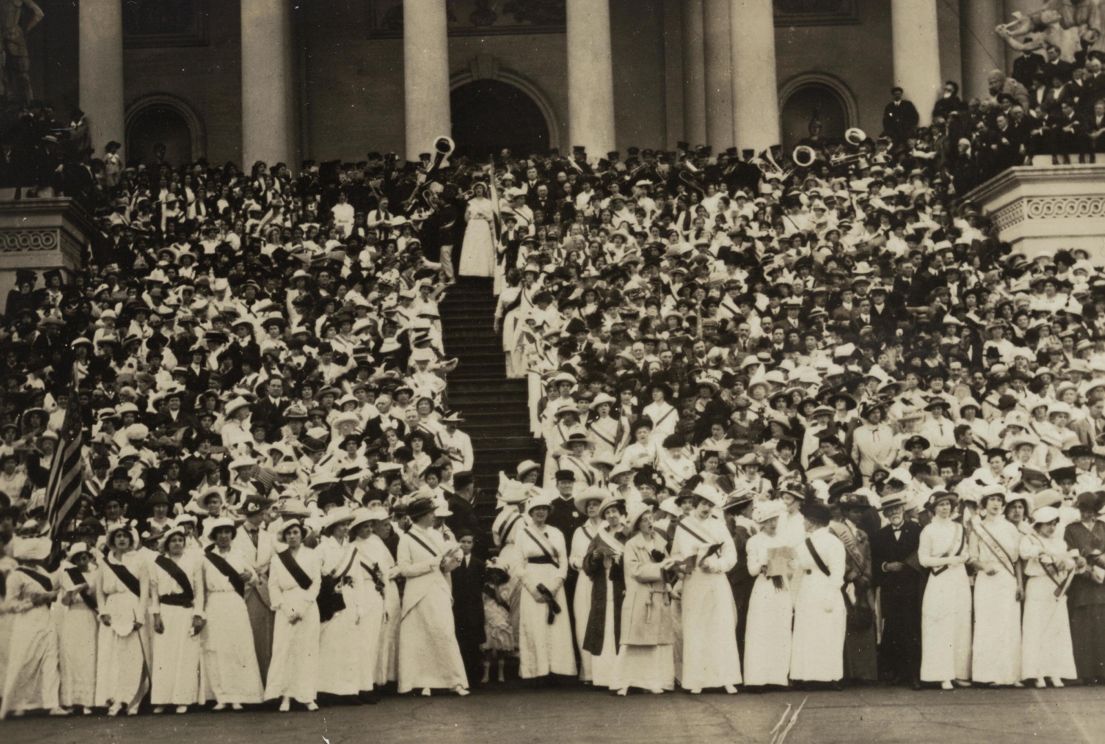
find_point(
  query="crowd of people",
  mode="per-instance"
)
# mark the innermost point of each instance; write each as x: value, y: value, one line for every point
x: 801, y: 426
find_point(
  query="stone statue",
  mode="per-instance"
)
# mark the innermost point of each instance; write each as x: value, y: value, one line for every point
x: 1069, y: 24
x: 15, y: 61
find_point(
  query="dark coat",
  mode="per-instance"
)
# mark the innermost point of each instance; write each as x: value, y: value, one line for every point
x: 594, y: 566
x: 468, y: 602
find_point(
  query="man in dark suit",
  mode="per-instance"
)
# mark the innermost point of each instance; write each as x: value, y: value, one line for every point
x: 1026, y: 67
x: 896, y: 572
x: 900, y: 117
x: 463, y: 517
x: 468, y: 607
x: 966, y: 458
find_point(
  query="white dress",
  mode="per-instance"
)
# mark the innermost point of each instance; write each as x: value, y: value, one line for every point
x: 231, y: 671
x: 387, y: 653
x: 429, y: 655
x: 767, y: 634
x: 339, y: 670
x: 820, y: 622
x: 370, y: 599
x: 996, y: 650
x: 177, y: 650
x: 477, y: 252
x: 32, y: 679
x: 1046, y: 647
x: 544, y: 648
x: 581, y: 597
x: 649, y: 666
x: 709, y: 624
x: 121, y: 674
x: 293, y: 671
x: 77, y: 631
x: 946, y: 607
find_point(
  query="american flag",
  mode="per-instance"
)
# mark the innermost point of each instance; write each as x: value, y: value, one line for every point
x: 63, y: 489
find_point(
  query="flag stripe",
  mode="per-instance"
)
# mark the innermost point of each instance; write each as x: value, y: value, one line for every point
x: 63, y: 487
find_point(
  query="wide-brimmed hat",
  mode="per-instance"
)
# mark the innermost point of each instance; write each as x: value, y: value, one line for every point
x: 211, y: 526
x: 420, y: 506
x: 591, y: 493
x: 765, y: 511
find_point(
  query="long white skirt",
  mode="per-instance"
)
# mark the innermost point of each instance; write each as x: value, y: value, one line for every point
x: 293, y: 670
x: 544, y: 648
x: 368, y: 634
x: 229, y: 660
x: 387, y: 654
x: 176, y: 676
x: 31, y: 680
x: 767, y: 635
x: 77, y: 631
x: 710, y: 656
x: 428, y: 652
x: 121, y: 675
x: 996, y: 657
x: 339, y: 671
x: 946, y: 627
x: 581, y: 608
x: 645, y: 667
x: 477, y: 252
x: 820, y: 624
x: 1046, y: 648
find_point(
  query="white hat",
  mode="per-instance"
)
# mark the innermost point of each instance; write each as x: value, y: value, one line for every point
x: 591, y: 493
x: 31, y: 548
x: 1045, y: 514
x: 234, y: 405
x: 76, y: 549
x: 767, y: 510
x: 538, y: 499
x: 710, y: 493
x: 635, y: 512
x: 336, y: 516
x: 217, y: 523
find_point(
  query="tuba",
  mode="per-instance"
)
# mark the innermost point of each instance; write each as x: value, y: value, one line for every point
x: 804, y: 156
x: 855, y: 136
x: 443, y: 148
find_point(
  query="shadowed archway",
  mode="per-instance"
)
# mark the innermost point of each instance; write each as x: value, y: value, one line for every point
x: 489, y: 115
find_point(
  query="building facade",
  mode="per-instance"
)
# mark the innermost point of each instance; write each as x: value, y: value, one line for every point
x: 278, y: 80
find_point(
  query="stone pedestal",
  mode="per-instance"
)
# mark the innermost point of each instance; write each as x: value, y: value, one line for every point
x: 41, y: 234
x: 1042, y: 208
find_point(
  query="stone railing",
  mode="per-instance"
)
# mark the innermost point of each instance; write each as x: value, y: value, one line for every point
x: 1041, y: 208
x: 42, y: 234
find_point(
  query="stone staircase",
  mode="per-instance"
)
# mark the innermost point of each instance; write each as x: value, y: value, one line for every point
x: 494, y: 407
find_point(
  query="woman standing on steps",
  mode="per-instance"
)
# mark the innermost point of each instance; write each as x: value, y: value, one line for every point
x: 477, y: 252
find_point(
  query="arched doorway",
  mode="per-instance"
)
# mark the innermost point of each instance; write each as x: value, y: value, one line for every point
x: 159, y: 122
x: 489, y: 115
x: 811, y: 101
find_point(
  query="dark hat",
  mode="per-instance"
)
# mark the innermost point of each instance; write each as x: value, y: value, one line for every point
x: 1089, y: 501
x: 816, y: 512
x: 420, y: 507
x: 565, y: 475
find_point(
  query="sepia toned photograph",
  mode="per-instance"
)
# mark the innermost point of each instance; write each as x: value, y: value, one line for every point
x: 552, y: 371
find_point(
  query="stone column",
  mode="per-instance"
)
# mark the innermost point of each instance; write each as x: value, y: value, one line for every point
x: 719, y: 79
x: 916, y: 53
x: 425, y: 75
x: 100, y: 59
x: 268, y: 103
x: 694, y: 73
x: 983, y: 50
x: 755, y: 92
x: 590, y: 77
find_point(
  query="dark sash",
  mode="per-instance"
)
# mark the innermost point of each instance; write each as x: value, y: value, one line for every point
x: 186, y: 596
x: 41, y: 580
x: 422, y: 542
x: 226, y: 570
x: 78, y: 578
x: 683, y: 525
x: 544, y: 549
x: 295, y: 569
x: 507, y: 526
x: 996, y: 548
x: 817, y: 557
x: 1050, y: 568
x: 129, y: 580
x: 662, y: 419
x: 377, y: 578
x: 330, y: 600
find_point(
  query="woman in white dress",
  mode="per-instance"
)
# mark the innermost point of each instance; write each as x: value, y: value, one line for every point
x: 995, y: 554
x: 477, y: 252
x: 32, y: 680
x: 820, y: 621
x: 230, y: 665
x: 645, y: 657
x: 1046, y: 647
x: 177, y: 612
x: 377, y: 554
x: 946, y: 606
x: 767, y: 635
x: 544, y: 634
x: 370, y: 597
x: 77, y: 628
x: 587, y: 502
x: 294, y: 578
x: 339, y: 667
x: 702, y: 542
x: 429, y: 656
x: 603, y: 564
x: 122, y: 593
